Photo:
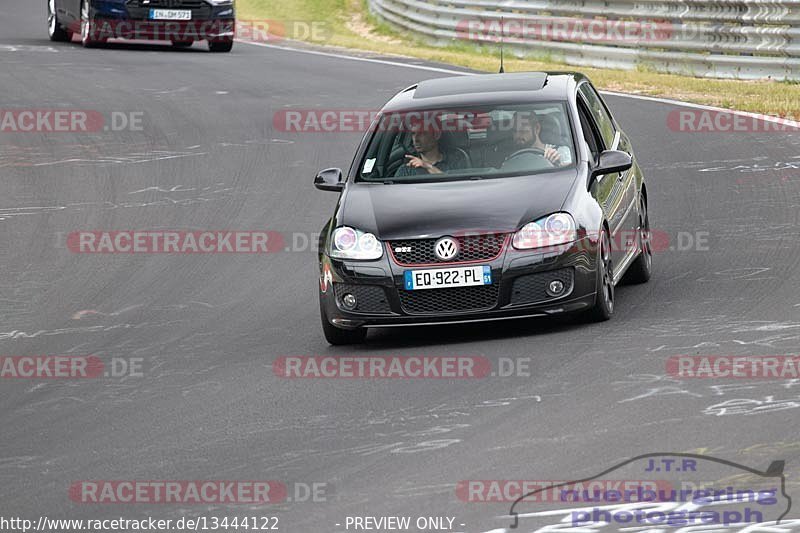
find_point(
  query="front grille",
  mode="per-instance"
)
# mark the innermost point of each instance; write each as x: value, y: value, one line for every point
x: 471, y: 248
x: 449, y: 300
x: 531, y: 288
x: 369, y: 298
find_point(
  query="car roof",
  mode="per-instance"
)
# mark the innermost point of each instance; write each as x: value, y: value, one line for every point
x: 479, y: 89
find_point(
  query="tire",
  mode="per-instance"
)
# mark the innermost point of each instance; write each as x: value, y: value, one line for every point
x: 220, y: 46
x: 182, y: 44
x: 56, y: 32
x: 604, y: 299
x: 338, y: 336
x: 88, y: 28
x: 642, y: 267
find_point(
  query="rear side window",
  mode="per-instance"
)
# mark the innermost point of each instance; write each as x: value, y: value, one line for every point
x: 600, y: 114
x: 590, y: 133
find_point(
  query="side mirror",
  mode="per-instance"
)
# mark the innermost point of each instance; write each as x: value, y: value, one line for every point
x: 330, y: 179
x: 612, y: 161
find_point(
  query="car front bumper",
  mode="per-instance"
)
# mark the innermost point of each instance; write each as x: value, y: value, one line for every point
x: 519, y: 280
x: 131, y: 20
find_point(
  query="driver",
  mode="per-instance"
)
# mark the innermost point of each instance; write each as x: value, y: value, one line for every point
x: 429, y: 158
x: 527, y: 128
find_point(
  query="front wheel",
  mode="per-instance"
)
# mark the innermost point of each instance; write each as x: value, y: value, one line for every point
x: 338, y: 336
x: 604, y: 297
x: 54, y: 29
x: 89, y: 37
x: 220, y: 46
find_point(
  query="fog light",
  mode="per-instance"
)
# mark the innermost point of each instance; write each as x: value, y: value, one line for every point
x: 555, y: 288
x: 349, y: 301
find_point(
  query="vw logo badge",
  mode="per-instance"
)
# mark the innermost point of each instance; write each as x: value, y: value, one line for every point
x: 445, y: 249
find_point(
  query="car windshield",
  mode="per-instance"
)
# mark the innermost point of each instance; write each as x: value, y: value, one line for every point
x: 468, y: 143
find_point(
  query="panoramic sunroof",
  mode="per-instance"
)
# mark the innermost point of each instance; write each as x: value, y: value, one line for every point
x: 483, y: 83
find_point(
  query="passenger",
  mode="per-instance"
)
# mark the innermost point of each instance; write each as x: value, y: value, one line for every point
x: 527, y: 128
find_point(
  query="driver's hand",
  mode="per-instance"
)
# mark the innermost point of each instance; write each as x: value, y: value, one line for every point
x: 552, y: 155
x: 417, y: 162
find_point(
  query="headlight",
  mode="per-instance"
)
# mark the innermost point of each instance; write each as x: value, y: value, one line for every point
x: 349, y: 243
x: 558, y: 228
x: 221, y: 2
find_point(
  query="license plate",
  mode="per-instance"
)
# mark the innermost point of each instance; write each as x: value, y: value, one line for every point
x: 170, y: 14
x: 437, y: 278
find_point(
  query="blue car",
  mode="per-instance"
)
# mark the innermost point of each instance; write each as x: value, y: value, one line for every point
x: 182, y: 22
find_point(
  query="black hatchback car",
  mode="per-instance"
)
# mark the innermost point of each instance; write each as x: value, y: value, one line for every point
x: 484, y: 197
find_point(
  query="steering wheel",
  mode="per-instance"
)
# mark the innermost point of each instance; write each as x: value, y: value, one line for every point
x: 534, y: 151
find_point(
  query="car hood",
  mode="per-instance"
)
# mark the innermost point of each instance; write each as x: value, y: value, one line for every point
x: 421, y: 210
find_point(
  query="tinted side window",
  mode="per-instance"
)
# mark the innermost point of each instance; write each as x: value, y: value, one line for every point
x: 600, y: 114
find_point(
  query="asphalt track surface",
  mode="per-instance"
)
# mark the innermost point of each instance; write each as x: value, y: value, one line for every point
x: 208, y: 327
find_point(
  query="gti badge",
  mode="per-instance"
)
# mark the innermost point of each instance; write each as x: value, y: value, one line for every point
x: 402, y: 249
x: 445, y: 249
